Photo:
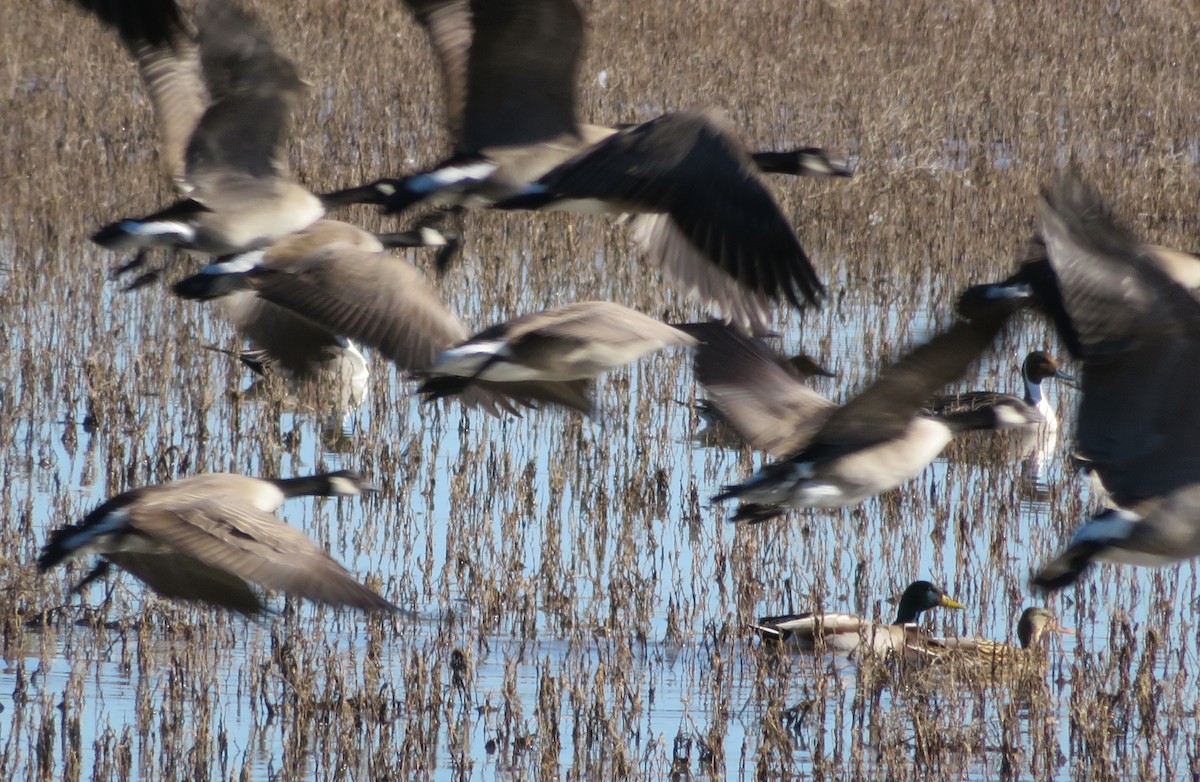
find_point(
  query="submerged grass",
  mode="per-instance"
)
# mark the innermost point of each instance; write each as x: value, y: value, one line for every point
x: 578, y: 606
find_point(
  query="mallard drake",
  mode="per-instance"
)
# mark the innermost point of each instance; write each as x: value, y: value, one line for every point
x: 207, y: 537
x: 848, y: 633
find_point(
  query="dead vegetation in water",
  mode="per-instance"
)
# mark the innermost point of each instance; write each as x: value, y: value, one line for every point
x: 579, y: 607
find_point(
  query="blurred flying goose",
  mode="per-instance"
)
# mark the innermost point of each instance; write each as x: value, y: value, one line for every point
x: 223, y: 102
x: 848, y: 633
x: 1038, y: 366
x: 510, y: 69
x: 1136, y: 330
x: 304, y: 298
x: 1034, y: 628
x: 550, y: 356
x: 225, y: 154
x: 208, y: 537
x: 882, y: 437
x: 753, y: 392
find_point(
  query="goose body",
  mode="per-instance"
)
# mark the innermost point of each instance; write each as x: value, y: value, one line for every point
x: 879, y: 439
x: 845, y: 633
x: 207, y: 537
x: 550, y: 356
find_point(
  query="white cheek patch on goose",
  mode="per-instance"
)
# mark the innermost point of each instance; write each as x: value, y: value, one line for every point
x: 159, y: 228
x: 236, y: 264
x: 432, y: 237
x: 449, y: 176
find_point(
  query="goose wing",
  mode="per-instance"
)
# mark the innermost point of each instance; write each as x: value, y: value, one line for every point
x: 743, y: 379
x: 1138, y: 333
x: 705, y: 217
x: 187, y: 578
x: 886, y: 407
x: 448, y: 25
x: 592, y: 322
x: 295, y: 343
x: 168, y: 62
x: 521, y: 70
x: 253, y: 89
x: 374, y: 298
x: 231, y: 535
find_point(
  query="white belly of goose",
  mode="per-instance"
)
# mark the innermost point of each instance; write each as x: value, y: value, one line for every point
x: 873, y: 470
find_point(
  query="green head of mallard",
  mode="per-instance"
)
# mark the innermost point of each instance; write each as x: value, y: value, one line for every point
x: 922, y: 596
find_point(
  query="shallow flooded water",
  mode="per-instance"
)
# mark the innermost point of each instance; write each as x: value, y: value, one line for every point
x: 575, y: 607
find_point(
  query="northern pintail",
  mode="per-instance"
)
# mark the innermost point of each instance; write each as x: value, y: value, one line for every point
x: 1037, y: 367
x: 509, y: 70
x: 881, y: 438
x: 848, y: 633
x: 752, y: 391
x: 208, y: 537
x: 550, y: 356
x: 1136, y: 331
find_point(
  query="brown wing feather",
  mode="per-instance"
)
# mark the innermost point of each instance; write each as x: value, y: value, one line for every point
x: 374, y: 298
x: 187, y: 578
x: 1139, y: 334
x: 230, y: 534
x: 521, y: 72
x: 448, y: 25
x: 690, y: 167
x: 743, y: 379
x: 291, y: 341
x: 886, y: 407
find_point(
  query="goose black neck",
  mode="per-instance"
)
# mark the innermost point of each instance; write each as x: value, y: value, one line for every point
x: 321, y: 485
x: 779, y: 162
x: 366, y: 194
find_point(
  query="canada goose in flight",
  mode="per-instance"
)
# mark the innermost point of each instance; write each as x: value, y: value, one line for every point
x: 1034, y: 628
x: 303, y: 298
x: 882, y: 437
x: 231, y: 167
x: 510, y: 69
x: 223, y: 102
x: 847, y: 633
x: 749, y: 390
x: 550, y: 356
x: 208, y: 537
x: 1136, y: 331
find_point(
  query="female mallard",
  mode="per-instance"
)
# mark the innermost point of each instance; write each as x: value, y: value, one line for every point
x: 1033, y: 629
x: 847, y: 633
